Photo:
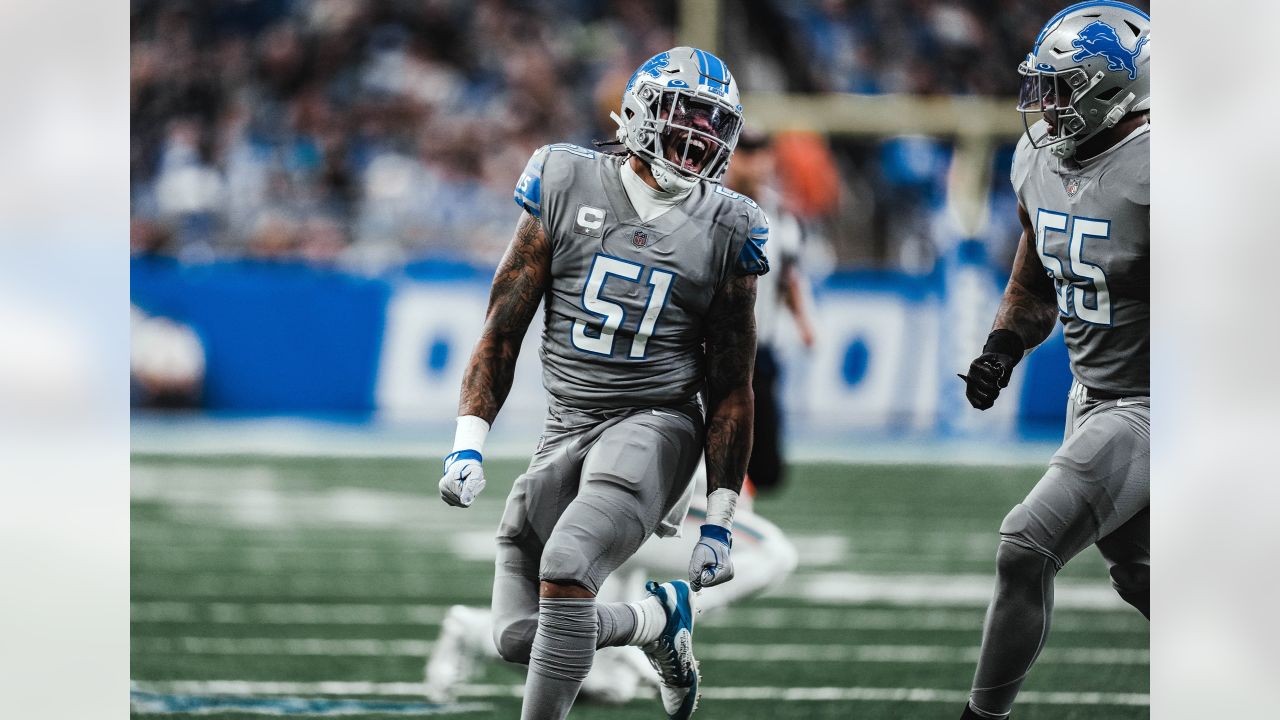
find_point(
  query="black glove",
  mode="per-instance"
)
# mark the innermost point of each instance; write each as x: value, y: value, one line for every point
x: 990, y: 371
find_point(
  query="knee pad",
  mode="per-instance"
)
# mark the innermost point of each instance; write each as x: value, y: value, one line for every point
x: 514, y: 640
x: 567, y: 561
x: 1021, y: 527
x: 1018, y: 562
x: 592, y: 539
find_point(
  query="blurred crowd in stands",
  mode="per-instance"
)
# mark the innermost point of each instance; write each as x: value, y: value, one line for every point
x: 368, y: 133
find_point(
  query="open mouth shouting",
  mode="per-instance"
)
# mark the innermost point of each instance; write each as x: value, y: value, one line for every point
x: 696, y: 134
x: 687, y: 151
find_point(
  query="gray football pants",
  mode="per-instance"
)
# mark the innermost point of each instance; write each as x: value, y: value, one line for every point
x: 594, y: 492
x: 1095, y: 492
x: 1097, y: 489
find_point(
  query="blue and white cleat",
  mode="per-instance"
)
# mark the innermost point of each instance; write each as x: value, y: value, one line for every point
x: 672, y: 653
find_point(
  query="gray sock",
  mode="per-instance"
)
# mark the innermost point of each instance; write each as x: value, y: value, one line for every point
x: 563, y: 648
x: 617, y: 623
x: 1016, y: 628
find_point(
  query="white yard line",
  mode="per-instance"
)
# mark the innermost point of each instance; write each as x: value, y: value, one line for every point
x: 143, y: 703
x: 910, y: 618
x: 907, y: 654
x: 725, y: 652
x: 287, y: 613
x: 165, y: 435
x: 925, y: 589
x: 157, y: 547
x: 791, y: 694
x: 906, y: 618
x: 847, y: 694
x: 260, y: 561
x: 276, y: 687
x: 349, y: 647
x: 825, y: 587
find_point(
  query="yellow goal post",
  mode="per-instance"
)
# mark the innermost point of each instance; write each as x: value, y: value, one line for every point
x: 975, y: 124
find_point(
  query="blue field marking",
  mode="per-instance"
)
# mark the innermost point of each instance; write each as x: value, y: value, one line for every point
x: 146, y: 703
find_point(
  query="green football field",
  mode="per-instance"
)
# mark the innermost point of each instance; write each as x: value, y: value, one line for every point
x: 314, y: 587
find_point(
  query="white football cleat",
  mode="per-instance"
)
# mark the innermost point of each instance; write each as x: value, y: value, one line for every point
x: 453, y: 660
x: 672, y: 653
x: 613, y: 679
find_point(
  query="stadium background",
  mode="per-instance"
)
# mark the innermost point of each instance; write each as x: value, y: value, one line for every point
x: 319, y: 193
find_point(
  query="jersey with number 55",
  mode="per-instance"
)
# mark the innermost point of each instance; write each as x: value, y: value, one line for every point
x: 1092, y: 221
x: 628, y: 299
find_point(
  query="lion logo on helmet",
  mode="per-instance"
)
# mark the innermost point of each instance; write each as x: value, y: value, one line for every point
x: 651, y: 66
x: 1099, y: 38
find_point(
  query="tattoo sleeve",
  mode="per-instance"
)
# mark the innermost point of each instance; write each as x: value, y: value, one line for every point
x: 1029, y: 306
x: 518, y: 285
x: 731, y: 357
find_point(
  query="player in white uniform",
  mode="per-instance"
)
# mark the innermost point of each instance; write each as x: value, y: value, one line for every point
x: 1082, y: 176
x: 783, y: 288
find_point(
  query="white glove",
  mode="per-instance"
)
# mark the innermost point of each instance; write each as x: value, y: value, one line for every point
x: 710, y: 564
x: 463, y: 478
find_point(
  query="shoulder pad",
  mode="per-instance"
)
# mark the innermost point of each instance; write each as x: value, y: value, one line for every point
x: 1138, y: 170
x: 573, y: 150
x: 528, y: 193
x: 752, y: 259
x: 1021, y: 165
x: 722, y: 190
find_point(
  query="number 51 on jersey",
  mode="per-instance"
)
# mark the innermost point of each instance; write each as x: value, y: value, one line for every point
x: 612, y: 314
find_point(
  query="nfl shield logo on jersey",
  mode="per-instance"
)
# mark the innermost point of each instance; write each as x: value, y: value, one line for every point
x: 1071, y: 184
x: 639, y: 239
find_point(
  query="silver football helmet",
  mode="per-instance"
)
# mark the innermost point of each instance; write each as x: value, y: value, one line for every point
x: 1089, y: 67
x: 681, y: 114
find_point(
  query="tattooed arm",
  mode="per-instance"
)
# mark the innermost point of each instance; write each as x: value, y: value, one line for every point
x: 1030, y: 305
x: 1025, y: 318
x: 731, y: 357
x: 518, y: 286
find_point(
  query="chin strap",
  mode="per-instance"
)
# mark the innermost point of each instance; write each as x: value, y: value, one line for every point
x: 670, y: 180
x: 621, y: 132
x: 1067, y: 148
x: 1121, y: 109
x: 667, y: 177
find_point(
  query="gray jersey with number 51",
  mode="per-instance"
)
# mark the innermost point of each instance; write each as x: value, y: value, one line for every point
x: 626, y: 310
x: 1093, y: 232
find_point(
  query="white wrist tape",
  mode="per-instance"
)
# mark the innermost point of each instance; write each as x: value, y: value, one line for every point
x: 720, y: 506
x: 472, y: 430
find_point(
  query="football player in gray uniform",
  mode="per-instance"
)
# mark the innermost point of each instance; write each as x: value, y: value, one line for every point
x: 648, y: 270
x: 1081, y: 174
